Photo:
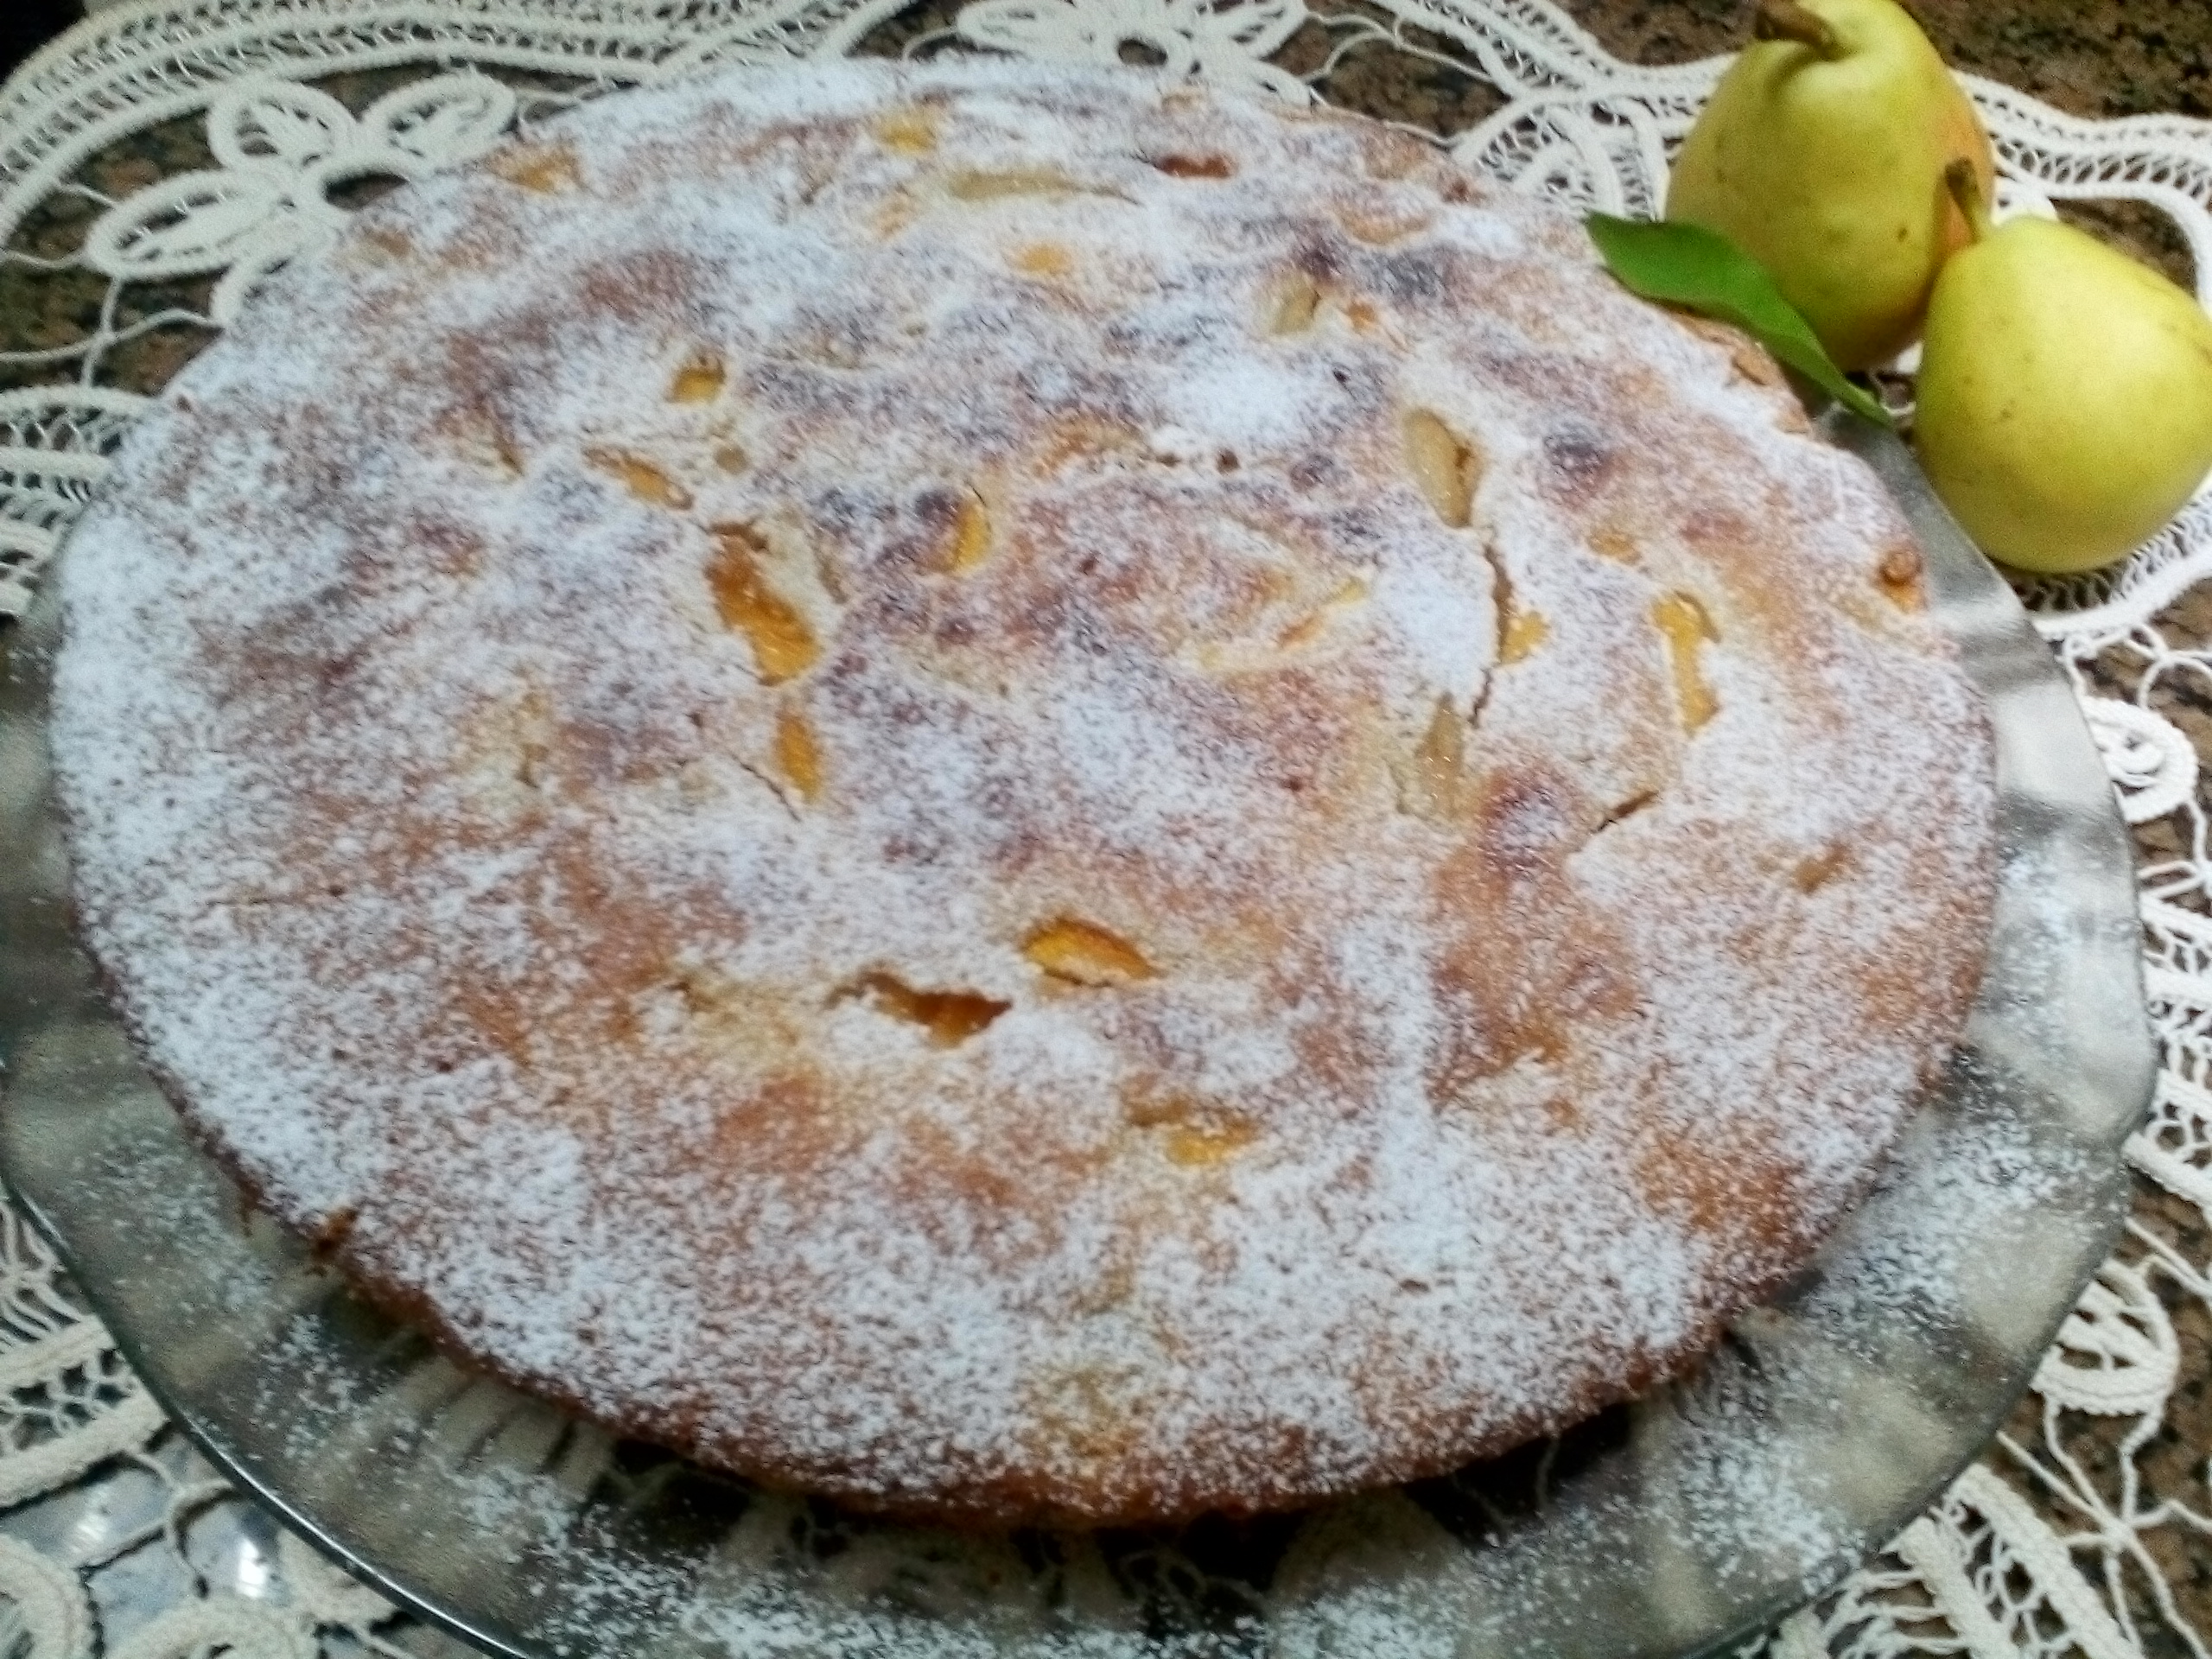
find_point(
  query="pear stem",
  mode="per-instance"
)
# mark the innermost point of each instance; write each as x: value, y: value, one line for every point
x: 1965, y: 185
x: 1787, y: 20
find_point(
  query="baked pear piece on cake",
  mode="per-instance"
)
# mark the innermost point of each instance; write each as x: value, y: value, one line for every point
x: 1019, y: 794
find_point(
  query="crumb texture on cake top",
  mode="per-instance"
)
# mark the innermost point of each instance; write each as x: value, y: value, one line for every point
x: 1019, y: 794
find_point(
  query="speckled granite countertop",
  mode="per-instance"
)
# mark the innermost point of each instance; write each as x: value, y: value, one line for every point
x: 2105, y: 58
x: 2109, y: 57
x: 2092, y: 57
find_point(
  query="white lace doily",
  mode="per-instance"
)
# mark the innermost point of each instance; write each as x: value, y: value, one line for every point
x: 160, y: 161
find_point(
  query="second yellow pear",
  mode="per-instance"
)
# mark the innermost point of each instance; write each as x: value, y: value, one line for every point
x: 1822, y: 155
x: 2065, y: 396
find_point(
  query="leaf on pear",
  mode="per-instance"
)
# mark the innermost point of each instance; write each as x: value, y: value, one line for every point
x: 1703, y: 271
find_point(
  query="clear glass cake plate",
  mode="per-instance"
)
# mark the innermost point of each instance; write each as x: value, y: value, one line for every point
x: 1826, y: 1421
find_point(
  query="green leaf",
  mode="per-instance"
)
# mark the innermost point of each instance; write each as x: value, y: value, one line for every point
x: 1703, y: 271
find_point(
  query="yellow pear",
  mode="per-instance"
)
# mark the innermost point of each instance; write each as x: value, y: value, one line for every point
x: 1822, y: 155
x: 2065, y: 400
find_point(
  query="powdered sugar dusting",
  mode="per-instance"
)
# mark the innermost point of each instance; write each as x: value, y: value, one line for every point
x: 871, y: 811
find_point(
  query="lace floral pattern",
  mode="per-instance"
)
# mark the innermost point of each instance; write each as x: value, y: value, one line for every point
x: 2066, y: 1538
